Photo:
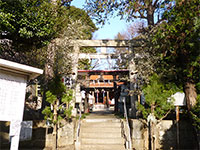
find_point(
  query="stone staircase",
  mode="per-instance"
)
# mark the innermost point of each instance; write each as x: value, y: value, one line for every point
x: 101, y: 131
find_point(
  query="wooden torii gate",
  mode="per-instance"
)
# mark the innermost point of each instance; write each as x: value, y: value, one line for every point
x: 130, y: 44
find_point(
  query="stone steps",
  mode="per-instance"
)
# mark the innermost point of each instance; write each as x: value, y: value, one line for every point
x: 102, y: 125
x: 101, y: 141
x: 101, y: 120
x: 100, y: 130
x: 101, y: 133
x: 102, y: 147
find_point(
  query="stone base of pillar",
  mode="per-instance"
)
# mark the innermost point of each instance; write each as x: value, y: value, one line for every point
x: 132, y: 113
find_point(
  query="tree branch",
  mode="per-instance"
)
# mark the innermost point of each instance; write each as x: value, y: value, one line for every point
x: 141, y: 14
x: 155, y: 3
x: 159, y: 21
x: 143, y: 121
x: 164, y: 116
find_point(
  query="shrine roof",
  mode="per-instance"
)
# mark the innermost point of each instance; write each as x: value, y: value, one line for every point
x: 110, y: 71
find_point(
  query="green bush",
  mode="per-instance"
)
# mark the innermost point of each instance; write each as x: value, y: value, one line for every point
x: 157, y: 96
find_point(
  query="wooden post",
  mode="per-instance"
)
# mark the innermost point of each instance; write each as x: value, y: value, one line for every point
x: 149, y: 131
x: 139, y: 100
x: 108, y: 99
x: 97, y: 96
x: 177, y: 128
x: 15, y: 128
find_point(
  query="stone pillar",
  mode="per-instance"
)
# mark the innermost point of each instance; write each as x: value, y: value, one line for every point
x: 86, y: 105
x: 116, y: 96
x: 75, y: 63
x: 74, y: 74
x: 132, y: 76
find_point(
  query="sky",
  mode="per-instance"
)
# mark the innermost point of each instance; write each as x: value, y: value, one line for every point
x: 109, y: 30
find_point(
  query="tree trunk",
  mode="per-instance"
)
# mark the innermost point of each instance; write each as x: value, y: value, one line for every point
x: 152, y: 131
x: 54, y: 147
x: 50, y: 61
x: 48, y: 70
x: 190, y: 94
x: 150, y: 15
x: 55, y: 118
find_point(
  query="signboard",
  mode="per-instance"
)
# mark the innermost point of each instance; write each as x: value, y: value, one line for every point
x: 12, y: 96
x: 13, y: 77
x: 68, y: 81
x: 179, y: 99
x: 26, y: 130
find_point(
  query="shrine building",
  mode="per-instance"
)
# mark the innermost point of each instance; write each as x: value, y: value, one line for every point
x: 102, y: 86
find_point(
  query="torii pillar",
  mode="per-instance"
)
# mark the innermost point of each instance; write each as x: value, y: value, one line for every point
x: 132, y: 76
x: 75, y: 58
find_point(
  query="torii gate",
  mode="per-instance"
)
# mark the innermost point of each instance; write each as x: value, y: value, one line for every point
x: 130, y: 44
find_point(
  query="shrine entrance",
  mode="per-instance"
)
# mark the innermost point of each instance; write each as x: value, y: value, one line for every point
x: 102, y: 86
x: 97, y: 89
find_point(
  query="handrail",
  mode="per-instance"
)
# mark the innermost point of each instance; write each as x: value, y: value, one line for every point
x: 79, y: 126
x: 129, y: 147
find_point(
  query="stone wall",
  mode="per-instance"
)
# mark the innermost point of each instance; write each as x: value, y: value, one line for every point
x: 41, y: 136
x: 139, y: 134
x: 66, y: 134
x: 165, y: 135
